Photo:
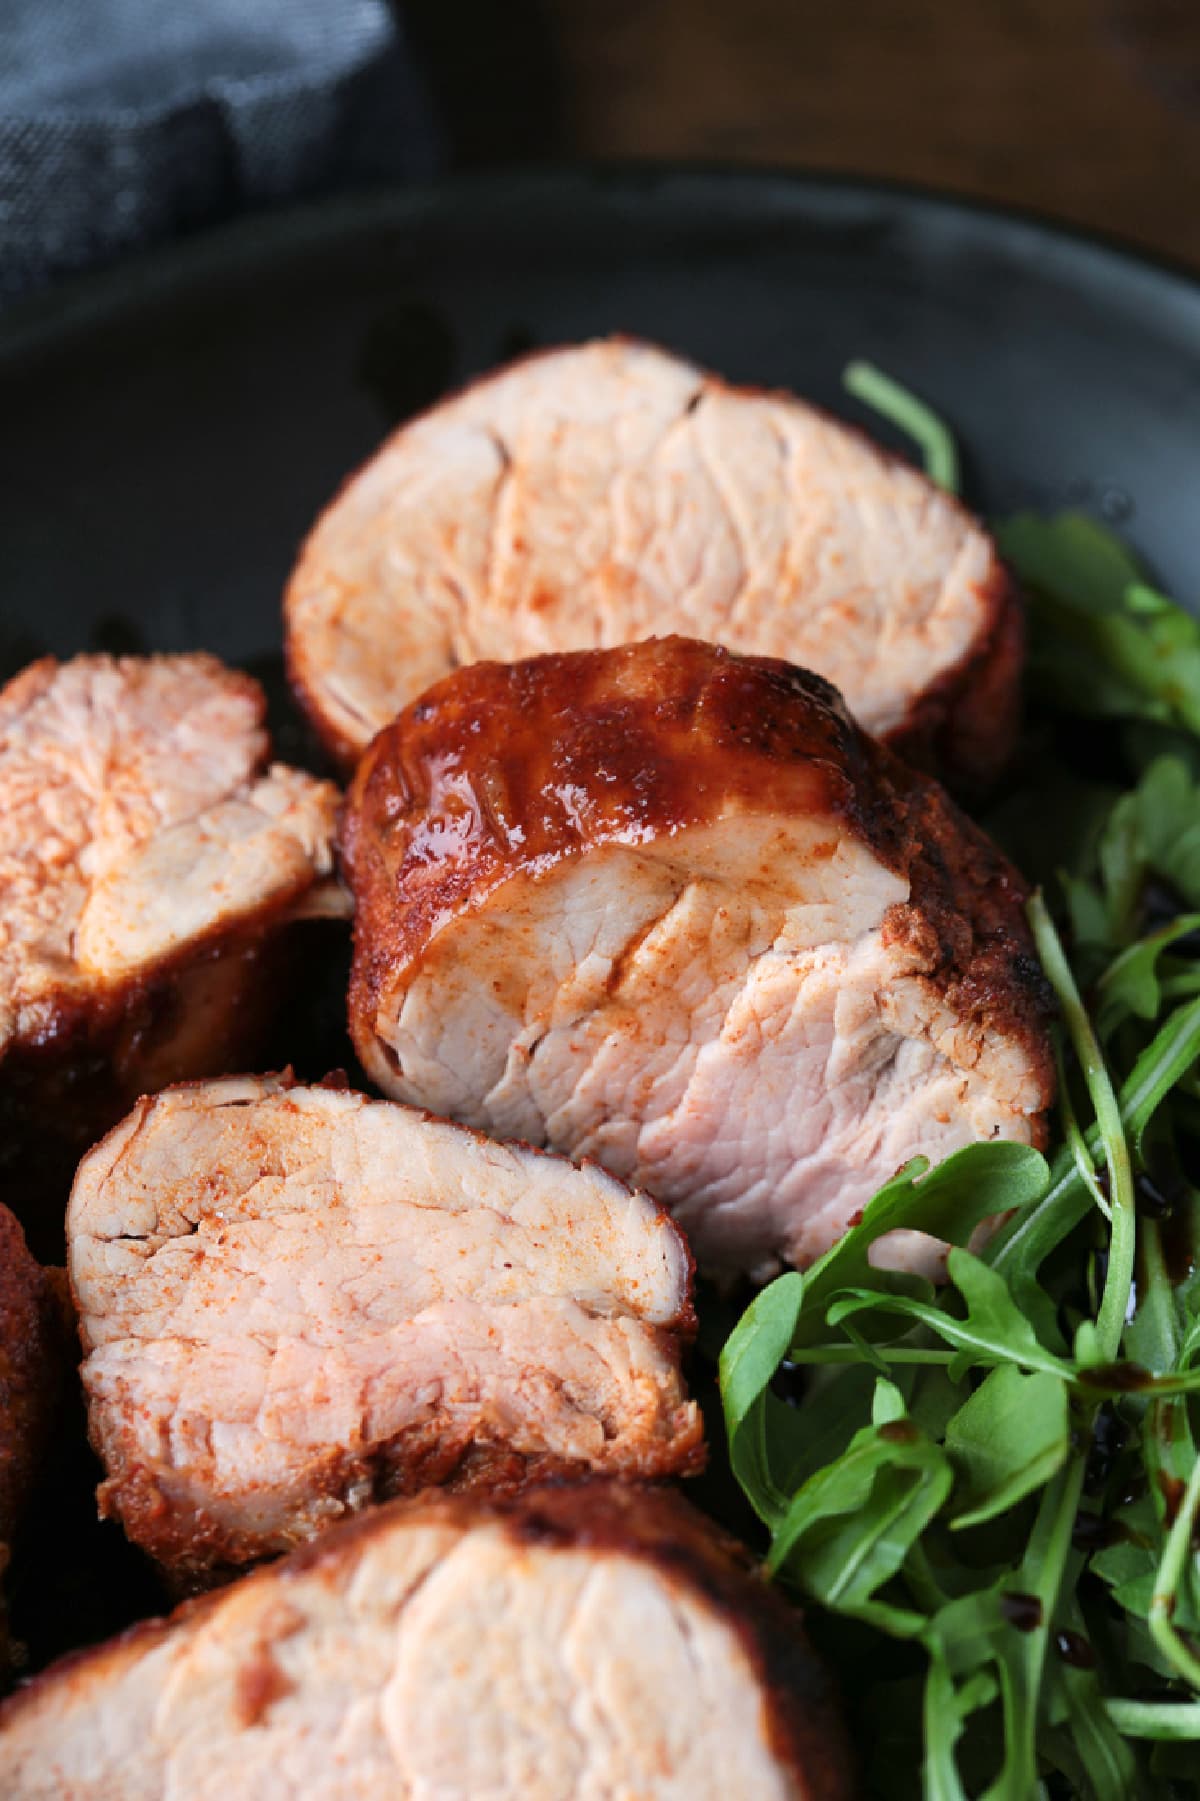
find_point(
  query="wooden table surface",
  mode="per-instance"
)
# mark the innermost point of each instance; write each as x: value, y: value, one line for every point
x: 1085, y: 109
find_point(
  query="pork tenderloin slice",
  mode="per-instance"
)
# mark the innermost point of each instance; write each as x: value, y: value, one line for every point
x: 577, y: 1644
x: 293, y: 1300
x: 669, y: 908
x: 595, y: 495
x: 148, y: 856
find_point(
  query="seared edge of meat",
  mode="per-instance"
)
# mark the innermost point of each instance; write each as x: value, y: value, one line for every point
x: 269, y: 1346
x: 318, y: 1663
x: 961, y: 712
x: 31, y: 1332
x: 504, y: 768
x: 33, y: 1355
x: 964, y: 727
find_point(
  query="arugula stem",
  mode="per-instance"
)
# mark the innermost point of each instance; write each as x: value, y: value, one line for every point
x: 1163, y: 938
x: 923, y: 1584
x: 1158, y: 1328
x: 1113, y: 1766
x: 851, y: 1353
x: 888, y: 398
x: 1162, y: 1603
x: 1164, y: 1720
x: 1075, y: 1138
x: 1178, y: 1382
x: 1022, y: 1246
x: 1041, y: 1573
x: 1118, y: 1281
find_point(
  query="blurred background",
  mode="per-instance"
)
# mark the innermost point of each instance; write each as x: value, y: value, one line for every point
x: 124, y: 122
x: 1088, y: 109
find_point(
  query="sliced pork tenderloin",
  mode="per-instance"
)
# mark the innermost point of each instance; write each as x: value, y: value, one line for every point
x: 669, y: 908
x: 595, y: 495
x: 294, y: 1301
x: 149, y: 858
x: 33, y: 1360
x: 577, y: 1644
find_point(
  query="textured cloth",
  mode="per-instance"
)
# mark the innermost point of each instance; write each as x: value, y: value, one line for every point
x: 127, y: 121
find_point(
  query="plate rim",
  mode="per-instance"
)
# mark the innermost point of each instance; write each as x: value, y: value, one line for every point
x: 150, y: 275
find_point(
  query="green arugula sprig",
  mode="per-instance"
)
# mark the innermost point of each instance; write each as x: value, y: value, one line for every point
x: 940, y: 1481
x: 894, y: 402
x: 870, y: 1533
x: 1104, y: 642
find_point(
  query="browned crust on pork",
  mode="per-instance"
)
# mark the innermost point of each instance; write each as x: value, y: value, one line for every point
x: 965, y: 725
x: 508, y: 767
x: 654, y: 1525
x: 33, y: 1345
x: 198, y: 1549
x: 32, y: 1340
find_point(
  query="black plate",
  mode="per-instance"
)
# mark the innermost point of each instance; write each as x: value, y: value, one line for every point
x: 168, y: 432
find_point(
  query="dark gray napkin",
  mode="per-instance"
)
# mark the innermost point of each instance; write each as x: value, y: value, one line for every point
x: 126, y: 121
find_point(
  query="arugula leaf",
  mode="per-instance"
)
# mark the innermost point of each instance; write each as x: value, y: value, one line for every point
x: 1131, y: 984
x: 1075, y: 1701
x: 1105, y: 1760
x: 1042, y: 1574
x: 851, y: 1525
x: 835, y: 1401
x: 948, y: 1707
x: 1162, y: 819
x: 1177, y: 1561
x: 1006, y: 1441
x: 1130, y: 1565
x: 752, y: 1353
x: 1164, y: 1335
x: 994, y: 1330
x: 1071, y: 557
x: 1155, y: 1334
x: 1102, y: 641
x: 1160, y: 1068
x: 1152, y: 832
x: 977, y: 1645
x: 948, y: 1202
x: 1022, y: 1245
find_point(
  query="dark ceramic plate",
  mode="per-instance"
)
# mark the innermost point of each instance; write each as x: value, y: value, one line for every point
x: 168, y: 432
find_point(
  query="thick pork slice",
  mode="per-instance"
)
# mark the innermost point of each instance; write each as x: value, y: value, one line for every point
x: 592, y: 1643
x: 33, y: 1339
x: 148, y: 857
x: 591, y: 496
x: 669, y: 908
x: 294, y: 1301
